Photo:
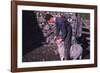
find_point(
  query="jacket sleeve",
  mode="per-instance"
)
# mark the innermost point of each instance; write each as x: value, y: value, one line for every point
x: 63, y: 30
x: 57, y: 29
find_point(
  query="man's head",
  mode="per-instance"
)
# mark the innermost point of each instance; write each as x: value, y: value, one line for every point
x: 50, y: 19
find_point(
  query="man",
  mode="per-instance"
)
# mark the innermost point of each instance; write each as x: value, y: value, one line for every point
x: 63, y: 29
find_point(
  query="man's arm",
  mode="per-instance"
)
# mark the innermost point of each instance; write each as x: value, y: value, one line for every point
x: 57, y: 30
x: 63, y: 30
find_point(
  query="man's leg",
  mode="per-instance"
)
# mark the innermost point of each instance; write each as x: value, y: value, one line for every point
x: 67, y: 50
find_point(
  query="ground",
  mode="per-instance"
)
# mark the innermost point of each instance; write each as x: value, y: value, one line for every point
x: 45, y: 53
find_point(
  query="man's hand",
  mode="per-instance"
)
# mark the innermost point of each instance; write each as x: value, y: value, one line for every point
x: 58, y: 40
x: 55, y: 37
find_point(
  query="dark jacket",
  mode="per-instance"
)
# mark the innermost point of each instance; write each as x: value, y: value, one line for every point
x: 65, y: 27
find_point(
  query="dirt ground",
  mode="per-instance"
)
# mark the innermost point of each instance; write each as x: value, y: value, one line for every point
x: 46, y: 53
